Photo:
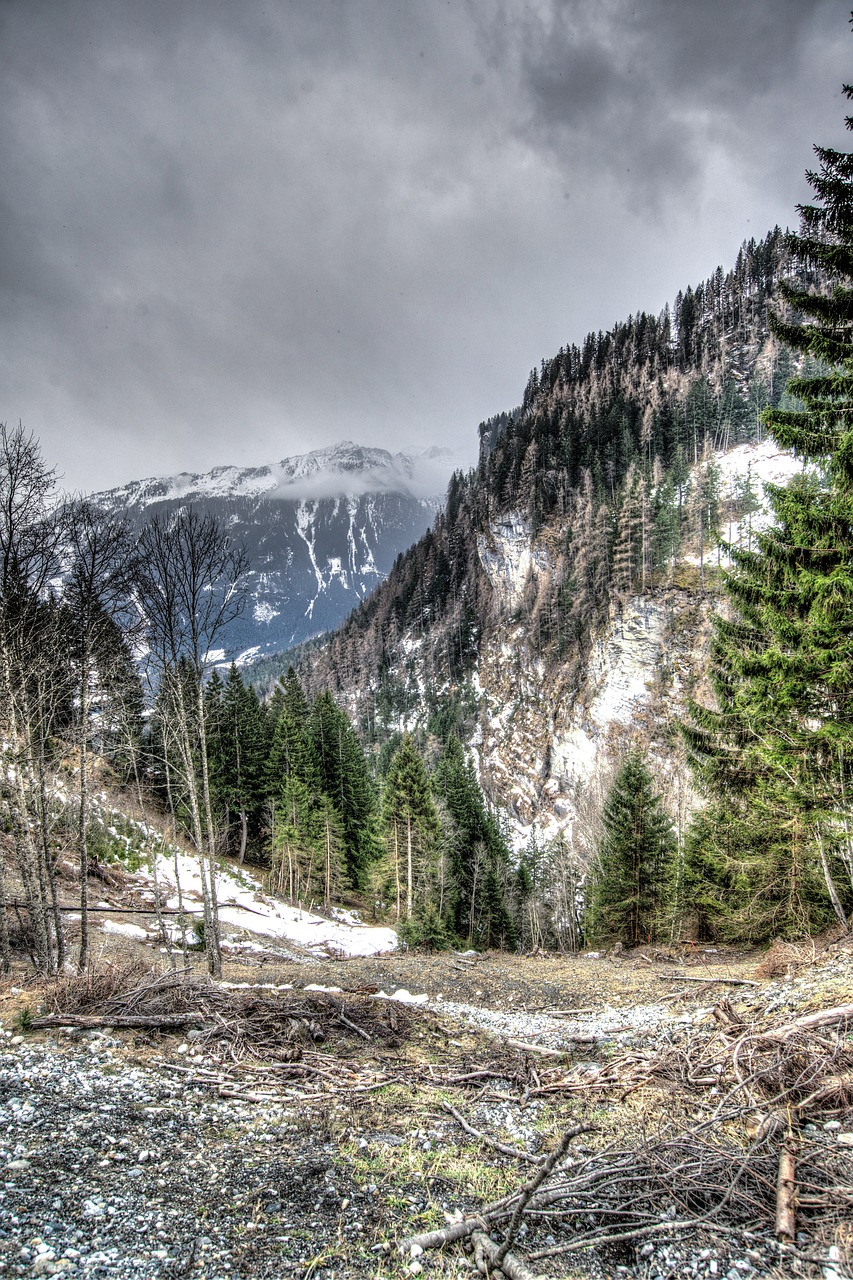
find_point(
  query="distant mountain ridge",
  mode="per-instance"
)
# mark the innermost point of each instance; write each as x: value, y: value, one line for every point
x: 321, y: 529
x: 341, y: 470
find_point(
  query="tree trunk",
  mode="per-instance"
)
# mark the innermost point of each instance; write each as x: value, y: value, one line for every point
x: 831, y: 889
x: 397, y: 885
x: 213, y: 947
x: 409, y: 876
x: 83, y: 818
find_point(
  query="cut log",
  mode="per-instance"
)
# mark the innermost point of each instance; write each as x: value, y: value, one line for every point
x: 786, y: 1192
x: 823, y: 1018
x: 153, y: 1021
x: 689, y: 977
x: 510, y: 1266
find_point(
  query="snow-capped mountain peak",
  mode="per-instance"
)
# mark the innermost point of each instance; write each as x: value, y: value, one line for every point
x: 341, y: 470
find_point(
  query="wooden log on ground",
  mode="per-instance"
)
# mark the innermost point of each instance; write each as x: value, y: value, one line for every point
x: 786, y: 1192
x: 510, y: 1266
x: 150, y: 1021
x: 689, y: 977
x: 550, y: 1053
x: 823, y: 1018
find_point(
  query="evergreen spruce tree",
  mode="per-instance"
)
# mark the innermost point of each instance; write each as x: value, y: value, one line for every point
x: 343, y: 775
x: 411, y: 828
x: 628, y: 886
x: 244, y: 750
x: 479, y: 856
x: 781, y: 736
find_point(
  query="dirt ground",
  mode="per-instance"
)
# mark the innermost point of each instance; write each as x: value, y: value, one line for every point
x: 322, y: 1188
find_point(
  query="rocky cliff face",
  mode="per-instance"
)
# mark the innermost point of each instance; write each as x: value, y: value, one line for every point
x: 547, y: 736
x: 549, y: 728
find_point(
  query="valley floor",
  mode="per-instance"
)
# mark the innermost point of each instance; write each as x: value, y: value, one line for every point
x: 211, y: 1155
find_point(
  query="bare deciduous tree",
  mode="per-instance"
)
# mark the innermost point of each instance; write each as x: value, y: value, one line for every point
x: 190, y: 586
x: 96, y: 594
x: 30, y: 694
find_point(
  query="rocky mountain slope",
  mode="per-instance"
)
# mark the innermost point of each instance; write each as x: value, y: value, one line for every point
x: 560, y: 605
x: 321, y: 529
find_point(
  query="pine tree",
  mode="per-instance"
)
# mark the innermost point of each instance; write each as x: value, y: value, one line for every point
x: 782, y: 732
x: 479, y: 856
x: 411, y: 826
x: 634, y: 861
x: 238, y: 750
x: 343, y: 775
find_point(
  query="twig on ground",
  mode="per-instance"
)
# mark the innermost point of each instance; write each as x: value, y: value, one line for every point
x: 516, y: 1152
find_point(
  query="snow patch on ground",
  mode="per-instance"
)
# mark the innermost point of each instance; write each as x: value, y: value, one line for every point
x: 119, y: 927
x: 243, y: 904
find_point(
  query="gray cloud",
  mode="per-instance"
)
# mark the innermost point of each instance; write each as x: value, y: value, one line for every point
x: 234, y: 232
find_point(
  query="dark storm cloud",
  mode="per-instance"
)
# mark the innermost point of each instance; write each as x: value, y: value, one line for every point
x: 646, y: 91
x: 230, y: 232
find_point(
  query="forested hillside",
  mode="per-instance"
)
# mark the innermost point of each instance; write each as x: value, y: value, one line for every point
x: 572, y: 712
x: 599, y: 456
x: 560, y: 615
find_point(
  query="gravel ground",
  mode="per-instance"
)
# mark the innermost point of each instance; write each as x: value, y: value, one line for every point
x: 111, y: 1169
x: 113, y: 1165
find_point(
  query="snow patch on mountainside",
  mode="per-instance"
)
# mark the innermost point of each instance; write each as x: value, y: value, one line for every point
x: 546, y: 739
x: 619, y: 675
x: 321, y: 530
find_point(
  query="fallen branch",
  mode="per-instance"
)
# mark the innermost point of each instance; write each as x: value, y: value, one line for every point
x: 341, y: 1017
x: 532, y: 1186
x: 160, y: 1021
x: 119, y: 910
x: 549, y: 1053
x: 689, y: 977
x: 786, y: 1191
x: 838, y: 1088
x: 488, y: 1258
x: 492, y: 1142
x: 823, y: 1018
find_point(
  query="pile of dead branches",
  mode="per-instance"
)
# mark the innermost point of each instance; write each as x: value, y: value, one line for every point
x: 805, y: 1066
x: 748, y: 1169
x: 249, y: 1023
x: 672, y: 1185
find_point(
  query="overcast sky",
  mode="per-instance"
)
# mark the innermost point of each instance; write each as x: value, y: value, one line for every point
x: 235, y: 230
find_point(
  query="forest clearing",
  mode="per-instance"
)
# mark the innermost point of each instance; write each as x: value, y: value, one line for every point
x: 287, y: 1121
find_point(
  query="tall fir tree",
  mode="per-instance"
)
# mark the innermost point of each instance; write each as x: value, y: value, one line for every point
x: 238, y: 734
x: 629, y: 883
x: 344, y: 776
x: 781, y: 734
x: 479, y: 856
x: 411, y: 827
